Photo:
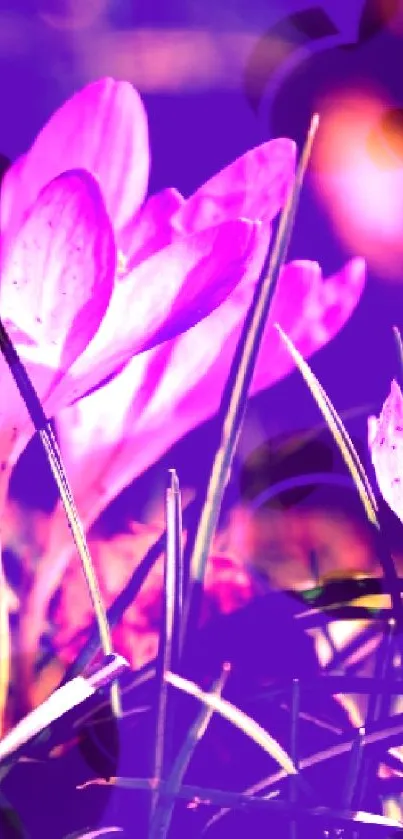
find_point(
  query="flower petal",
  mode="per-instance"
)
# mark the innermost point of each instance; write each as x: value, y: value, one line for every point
x: 57, y: 281
x: 152, y: 228
x: 103, y: 129
x: 164, y: 296
x: 165, y: 393
x: 9, y: 194
x: 254, y: 186
x: 311, y: 310
x: 385, y: 440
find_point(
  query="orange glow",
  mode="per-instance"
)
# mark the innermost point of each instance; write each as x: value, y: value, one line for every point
x: 358, y: 162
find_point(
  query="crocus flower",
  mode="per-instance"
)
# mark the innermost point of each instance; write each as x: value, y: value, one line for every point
x: 103, y: 130
x: 114, y: 434
x: 385, y: 440
x: 76, y: 309
x: 56, y: 283
x: 230, y: 219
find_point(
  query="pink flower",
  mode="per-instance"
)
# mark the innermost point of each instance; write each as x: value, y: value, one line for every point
x: 56, y: 284
x: 385, y: 440
x: 177, y: 261
x: 113, y: 435
x: 64, y: 294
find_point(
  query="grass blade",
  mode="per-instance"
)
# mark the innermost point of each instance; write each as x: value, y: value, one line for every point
x: 248, y: 801
x: 236, y: 392
x: 169, y: 644
x: 238, y: 718
x: 40, y: 421
x: 354, y: 466
x: 58, y: 703
x: 163, y: 815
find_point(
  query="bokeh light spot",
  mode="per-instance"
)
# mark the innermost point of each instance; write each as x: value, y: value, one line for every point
x: 359, y: 176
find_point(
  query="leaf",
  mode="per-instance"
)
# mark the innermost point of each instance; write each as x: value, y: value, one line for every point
x: 52, y: 452
x: 238, y: 718
x: 169, y: 636
x: 163, y: 814
x: 237, y: 387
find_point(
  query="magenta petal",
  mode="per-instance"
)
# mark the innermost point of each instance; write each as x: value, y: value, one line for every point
x: 164, y: 296
x: 161, y: 394
x: 151, y: 228
x: 165, y: 393
x: 103, y: 129
x: 311, y: 310
x: 10, y: 193
x: 255, y: 186
x: 385, y: 440
x: 57, y: 281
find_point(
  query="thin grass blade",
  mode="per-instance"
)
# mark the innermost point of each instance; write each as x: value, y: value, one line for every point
x: 40, y: 421
x: 236, y: 392
x: 238, y: 718
x: 354, y: 466
x: 169, y: 636
x: 163, y: 815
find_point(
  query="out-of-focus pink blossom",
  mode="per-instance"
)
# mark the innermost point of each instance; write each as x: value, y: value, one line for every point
x: 227, y: 587
x: 385, y: 439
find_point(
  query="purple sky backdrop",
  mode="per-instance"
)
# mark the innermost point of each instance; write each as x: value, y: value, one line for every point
x: 201, y: 126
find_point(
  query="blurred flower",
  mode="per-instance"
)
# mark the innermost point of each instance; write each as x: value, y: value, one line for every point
x: 165, y: 59
x: 281, y: 543
x: 359, y: 175
x: 385, y: 439
x: 227, y: 587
